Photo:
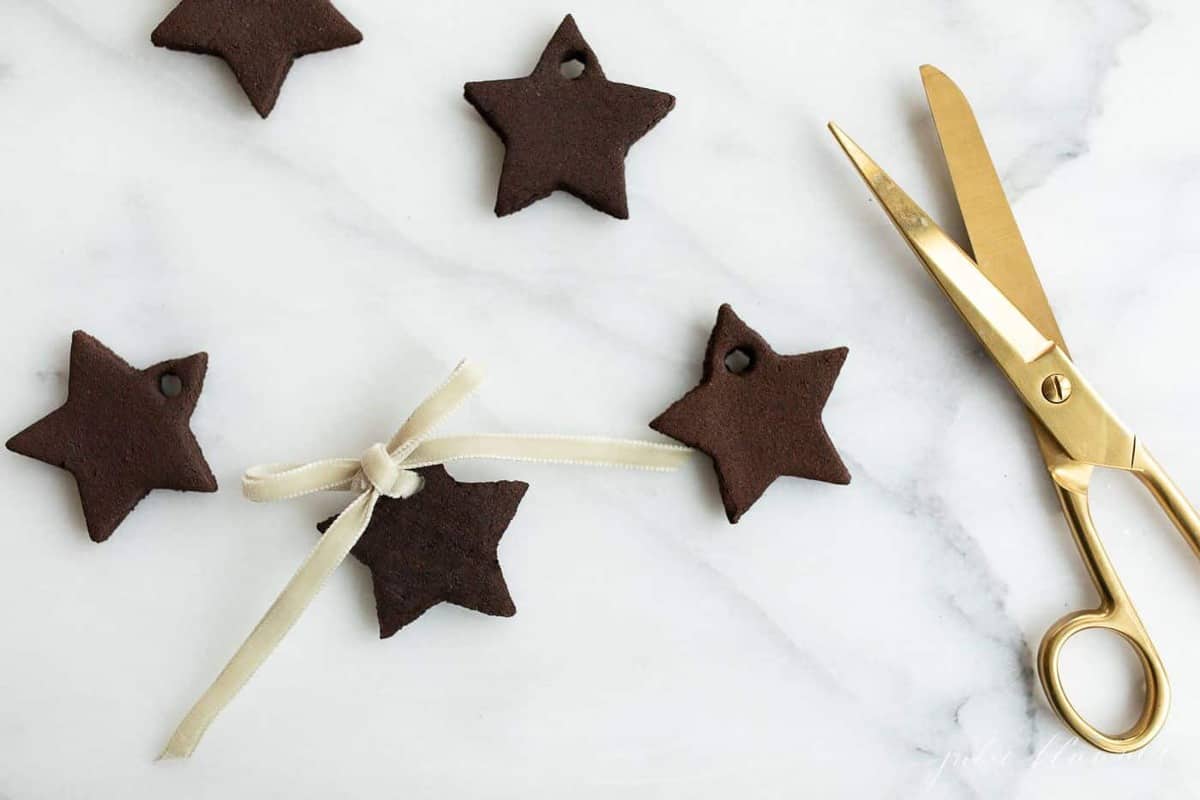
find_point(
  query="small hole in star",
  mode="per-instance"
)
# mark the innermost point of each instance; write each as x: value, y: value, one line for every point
x: 573, y: 66
x: 739, y: 360
x: 170, y: 385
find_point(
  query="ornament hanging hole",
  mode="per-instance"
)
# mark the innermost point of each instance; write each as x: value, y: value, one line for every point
x: 573, y: 66
x: 170, y: 384
x: 739, y: 360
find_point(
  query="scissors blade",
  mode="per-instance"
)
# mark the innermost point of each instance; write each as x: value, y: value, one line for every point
x: 1004, y: 330
x: 1000, y: 252
x: 1080, y: 422
x: 999, y: 248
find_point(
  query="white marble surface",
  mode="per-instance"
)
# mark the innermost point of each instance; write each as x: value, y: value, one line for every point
x: 336, y: 260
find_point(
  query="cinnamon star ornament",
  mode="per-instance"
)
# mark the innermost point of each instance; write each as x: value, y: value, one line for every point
x: 122, y: 432
x: 757, y: 414
x: 563, y: 130
x: 259, y: 39
x: 438, y: 546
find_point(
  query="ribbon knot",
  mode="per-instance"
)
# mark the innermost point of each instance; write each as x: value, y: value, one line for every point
x: 380, y: 471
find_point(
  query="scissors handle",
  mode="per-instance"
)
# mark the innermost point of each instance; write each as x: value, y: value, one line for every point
x: 1172, y: 501
x: 1116, y: 614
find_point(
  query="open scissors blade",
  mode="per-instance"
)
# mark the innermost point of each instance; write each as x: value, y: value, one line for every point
x: 999, y: 249
x: 1035, y: 365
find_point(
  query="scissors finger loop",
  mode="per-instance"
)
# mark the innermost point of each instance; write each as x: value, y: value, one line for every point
x: 1156, y: 699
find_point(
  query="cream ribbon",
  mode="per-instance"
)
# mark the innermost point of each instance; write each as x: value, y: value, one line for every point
x: 386, y: 471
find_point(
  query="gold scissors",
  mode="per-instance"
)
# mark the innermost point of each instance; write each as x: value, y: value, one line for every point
x: 1000, y: 297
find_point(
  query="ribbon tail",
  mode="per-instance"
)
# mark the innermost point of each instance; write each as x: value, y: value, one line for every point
x: 333, y: 548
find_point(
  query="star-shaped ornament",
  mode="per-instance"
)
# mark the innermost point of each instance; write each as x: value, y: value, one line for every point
x: 259, y: 39
x: 122, y: 432
x: 757, y: 414
x: 438, y: 546
x: 566, y: 126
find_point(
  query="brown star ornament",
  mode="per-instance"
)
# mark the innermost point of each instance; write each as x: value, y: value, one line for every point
x: 564, y: 130
x: 438, y: 546
x: 122, y: 433
x: 757, y: 414
x: 259, y: 39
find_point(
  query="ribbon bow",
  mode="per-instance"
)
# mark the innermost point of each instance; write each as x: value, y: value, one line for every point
x: 386, y: 471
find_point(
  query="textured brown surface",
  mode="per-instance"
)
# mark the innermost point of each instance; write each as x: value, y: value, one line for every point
x: 563, y: 133
x: 259, y: 39
x: 761, y: 423
x: 438, y: 546
x: 119, y: 434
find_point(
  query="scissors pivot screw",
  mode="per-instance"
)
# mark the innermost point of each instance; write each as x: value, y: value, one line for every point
x: 1057, y: 388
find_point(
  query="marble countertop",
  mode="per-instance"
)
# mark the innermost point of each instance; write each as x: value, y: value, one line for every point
x: 338, y: 259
